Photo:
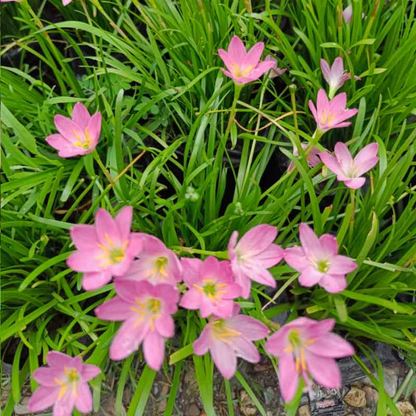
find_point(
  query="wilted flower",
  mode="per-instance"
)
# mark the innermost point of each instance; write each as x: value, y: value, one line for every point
x: 227, y: 339
x: 156, y: 264
x: 312, y: 157
x: 335, y: 75
x: 253, y: 255
x: 331, y: 114
x: 63, y: 385
x: 146, y: 311
x: 318, y: 261
x: 347, y: 169
x: 307, y: 348
x: 211, y: 287
x: 78, y: 136
x: 244, y: 67
x: 275, y: 71
x: 105, y: 249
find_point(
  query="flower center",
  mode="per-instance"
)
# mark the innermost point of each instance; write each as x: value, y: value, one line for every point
x: 211, y: 289
x: 220, y: 331
x: 237, y: 72
x: 72, y: 380
x: 322, y: 266
x: 160, y: 266
x: 148, y: 310
x: 154, y: 305
x: 111, y: 254
x: 83, y: 143
x: 327, y: 117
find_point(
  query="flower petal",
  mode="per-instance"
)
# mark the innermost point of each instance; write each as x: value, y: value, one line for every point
x: 366, y: 166
x: 58, y: 359
x: 107, y: 230
x: 68, y: 129
x: 248, y: 327
x: 46, y: 376
x: 324, y: 370
x: 252, y: 57
x: 237, y: 50
x: 257, y: 239
x: 270, y: 256
x: 296, y: 258
x: 246, y: 349
x: 224, y: 358
x: 331, y: 345
x: 326, y: 70
x: 115, y: 309
x: 191, y: 269
x: 89, y: 371
x: 154, y: 350
x: 333, y: 283
x: 331, y: 163
x: 355, y: 183
x: 94, y: 130
x: 80, y: 115
x: 366, y: 153
x: 329, y: 244
x: 165, y: 326
x: 310, y: 241
x: 84, y: 237
x: 83, y: 401
x: 95, y: 280
x: 85, y: 261
x: 203, y: 343
x: 288, y: 377
x: 262, y: 276
x: 310, y: 277
x: 341, y: 265
x: 123, y: 221
x: 65, y: 147
x: 43, y: 398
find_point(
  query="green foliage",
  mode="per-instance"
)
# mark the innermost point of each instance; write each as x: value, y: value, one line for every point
x: 151, y: 67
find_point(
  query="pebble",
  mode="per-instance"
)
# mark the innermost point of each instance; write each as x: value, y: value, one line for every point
x: 406, y: 409
x: 355, y: 398
x: 371, y: 395
x: 390, y: 383
x: 193, y: 410
x: 247, y: 406
x: 304, y: 410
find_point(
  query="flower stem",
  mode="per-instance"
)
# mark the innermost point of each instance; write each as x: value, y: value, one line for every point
x: 97, y: 158
x: 237, y: 92
x: 352, y: 219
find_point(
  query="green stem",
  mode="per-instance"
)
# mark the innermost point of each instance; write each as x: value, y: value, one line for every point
x: 237, y: 92
x: 97, y: 158
x: 352, y: 219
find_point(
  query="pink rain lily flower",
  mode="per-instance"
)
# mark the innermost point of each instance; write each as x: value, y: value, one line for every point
x: 347, y: 169
x: 253, y: 255
x: 146, y: 314
x: 331, y: 114
x: 211, y: 287
x: 242, y: 66
x: 63, y: 385
x: 78, y: 136
x: 66, y: 2
x: 312, y: 158
x: 156, y: 264
x: 334, y: 75
x: 347, y: 13
x: 318, y: 261
x: 275, y: 71
x: 227, y: 339
x: 105, y: 249
x: 307, y: 348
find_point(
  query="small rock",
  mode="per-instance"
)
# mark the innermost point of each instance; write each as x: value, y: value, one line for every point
x: 269, y: 395
x: 247, y: 406
x: 304, y: 410
x: 164, y: 402
x: 390, y: 383
x: 406, y: 409
x: 371, y: 395
x: 355, y: 398
x: 193, y: 410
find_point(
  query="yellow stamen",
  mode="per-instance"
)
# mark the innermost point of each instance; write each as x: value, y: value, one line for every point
x: 302, y: 358
x: 109, y: 241
x: 74, y: 388
x: 220, y: 292
x: 63, y: 389
x: 311, y: 341
x: 297, y: 365
x: 198, y: 287
x: 208, y: 281
x: 290, y: 349
x: 221, y: 285
x: 102, y: 247
x: 151, y: 323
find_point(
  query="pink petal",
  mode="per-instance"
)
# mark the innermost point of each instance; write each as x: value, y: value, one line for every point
x: 341, y: 265
x: 333, y: 283
x: 288, y: 377
x: 206, y: 307
x: 228, y: 74
x: 68, y: 129
x: 165, y: 326
x: 332, y: 346
x: 224, y: 358
x: 43, y: 398
x: 355, y: 183
x: 95, y: 280
x: 233, y: 291
x: 366, y: 166
x: 270, y: 256
x: 65, y: 3
x: 46, y: 376
x: 326, y: 70
x: 169, y: 295
x: 203, y: 343
x: 229, y: 63
x: 242, y: 280
x: 236, y: 50
x: 253, y: 55
x: 322, y: 104
x: 222, y: 309
x: 329, y: 244
x: 246, y: 349
x: 84, y: 237
x: 313, y: 110
x: 337, y: 70
x: 344, y: 115
x: 65, y: 147
x: 83, y: 401
x: 191, y: 269
x: 232, y: 244
x: 115, y: 309
x: 365, y: 154
x: 338, y: 104
x: 263, y: 276
x: 129, y: 290
x: 248, y: 327
x: 314, y: 329
x: 257, y: 72
x: 57, y: 359
x: 324, y: 370
x: 331, y: 163
x: 65, y: 406
x: 128, y: 338
x: 257, y: 239
x: 343, y: 155
x: 89, y: 371
x: 210, y: 268
x: 310, y: 276
x: 84, y: 261
x: 154, y: 350
x: 278, y: 342
x: 80, y: 115
x: 94, y: 129
x: 296, y: 258
x: 123, y: 221
x: 309, y: 240
x: 107, y: 230
x: 347, y: 13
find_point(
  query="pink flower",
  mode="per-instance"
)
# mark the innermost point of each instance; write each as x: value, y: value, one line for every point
x: 156, y: 263
x: 78, y: 136
x: 307, y: 348
x: 347, y: 169
x: 253, y: 255
x: 66, y: 2
x: 146, y: 311
x: 104, y: 250
x: 227, y: 339
x: 211, y: 287
x: 312, y: 158
x: 63, y: 385
x: 331, y: 114
x: 347, y: 13
x: 275, y: 71
x: 335, y: 76
x: 318, y: 261
x: 244, y: 67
